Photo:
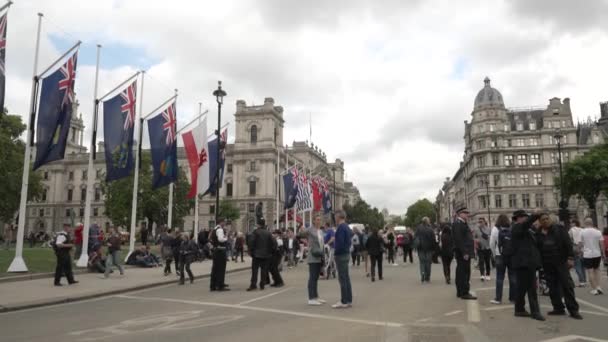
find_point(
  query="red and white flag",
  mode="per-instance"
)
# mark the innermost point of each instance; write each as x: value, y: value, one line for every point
x: 197, y: 152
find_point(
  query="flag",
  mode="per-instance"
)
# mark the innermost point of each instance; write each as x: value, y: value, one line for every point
x: 55, y: 113
x: 291, y: 190
x: 118, y: 126
x: 197, y: 152
x: 213, y: 164
x: 3, y: 20
x: 163, y: 143
x: 304, y: 202
x: 317, y: 195
x: 327, y: 207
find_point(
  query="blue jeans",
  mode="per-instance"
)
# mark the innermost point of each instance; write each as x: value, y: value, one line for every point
x: 580, y: 271
x: 314, y: 270
x: 346, y: 291
x: 112, y: 258
x: 501, y: 269
x: 426, y: 259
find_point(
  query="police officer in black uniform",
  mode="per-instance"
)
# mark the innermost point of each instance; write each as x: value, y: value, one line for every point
x: 219, y: 241
x: 463, y: 249
x: 63, y: 245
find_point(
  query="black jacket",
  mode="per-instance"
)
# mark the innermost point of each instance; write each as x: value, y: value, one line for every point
x: 463, y: 238
x: 447, y: 242
x: 374, y: 245
x: 525, y: 249
x: 560, y: 236
x: 262, y: 245
x: 188, y: 250
x: 425, y: 238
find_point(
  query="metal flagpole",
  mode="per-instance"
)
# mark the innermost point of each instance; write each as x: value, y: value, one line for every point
x: 18, y: 264
x: 286, y: 195
x: 136, y: 171
x: 170, y: 209
x: 278, y: 178
x: 200, y: 109
x: 84, y: 255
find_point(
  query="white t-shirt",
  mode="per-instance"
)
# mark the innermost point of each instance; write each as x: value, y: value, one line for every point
x: 575, y: 234
x: 591, y: 239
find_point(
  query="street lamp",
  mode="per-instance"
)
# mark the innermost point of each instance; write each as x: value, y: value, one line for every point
x: 219, y: 98
x: 563, y: 204
x: 486, y: 181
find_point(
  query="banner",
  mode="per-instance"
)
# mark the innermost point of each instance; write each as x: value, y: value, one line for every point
x: 197, y: 152
x: 163, y: 147
x: 118, y: 126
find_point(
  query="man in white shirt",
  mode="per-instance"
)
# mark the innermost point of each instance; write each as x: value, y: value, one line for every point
x: 63, y: 246
x: 575, y: 235
x: 593, y: 253
x: 218, y: 268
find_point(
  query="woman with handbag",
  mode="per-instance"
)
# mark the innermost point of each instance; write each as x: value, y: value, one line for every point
x: 315, y: 257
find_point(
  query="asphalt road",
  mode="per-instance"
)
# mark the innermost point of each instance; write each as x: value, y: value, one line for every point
x: 397, y: 308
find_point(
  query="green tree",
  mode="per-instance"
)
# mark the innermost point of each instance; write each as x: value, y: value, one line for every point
x: 418, y: 210
x: 229, y: 211
x: 11, y: 167
x: 151, y: 204
x: 587, y: 177
x: 363, y: 213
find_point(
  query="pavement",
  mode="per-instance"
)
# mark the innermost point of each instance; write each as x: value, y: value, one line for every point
x: 398, y: 308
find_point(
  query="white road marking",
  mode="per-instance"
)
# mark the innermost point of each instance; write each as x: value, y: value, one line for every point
x: 277, y: 311
x: 503, y: 307
x: 597, y: 307
x: 473, y: 314
x: 424, y: 320
x: 500, y: 307
x: 264, y: 297
x: 574, y: 338
x: 452, y: 313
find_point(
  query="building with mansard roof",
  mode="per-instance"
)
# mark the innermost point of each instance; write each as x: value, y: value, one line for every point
x: 511, y: 157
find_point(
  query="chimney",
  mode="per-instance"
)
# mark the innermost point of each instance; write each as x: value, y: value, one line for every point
x: 240, y: 105
x: 566, y: 103
x: 604, y: 110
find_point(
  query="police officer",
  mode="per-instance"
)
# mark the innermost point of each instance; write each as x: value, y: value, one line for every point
x: 63, y: 245
x: 463, y: 249
x: 219, y: 241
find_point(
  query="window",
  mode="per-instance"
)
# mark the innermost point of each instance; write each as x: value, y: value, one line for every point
x: 524, y: 179
x: 482, y: 128
x: 70, y: 194
x: 494, y: 142
x: 539, y: 200
x: 508, y: 143
x: 498, y: 201
x: 507, y: 128
x: 481, y: 181
x: 228, y: 189
x: 519, y: 126
x: 252, y: 189
x: 46, y: 175
x: 520, y: 142
x: 83, y: 194
x: 211, y: 223
x: 84, y: 174
x: 532, y: 125
x: 482, y: 202
x: 81, y: 212
x: 525, y: 200
x: 212, y: 209
x: 97, y: 174
x: 276, y: 134
x: 533, y: 141
x: 254, y: 134
x: 564, y: 124
x: 509, y: 160
x: 492, y: 127
x: 481, y: 161
x: 555, y: 160
x: 496, y: 180
x: 512, y: 201
x: 71, y: 175
x: 68, y: 212
x: 511, y: 179
x: 44, y: 191
x: 522, y: 159
x: 252, y: 165
x: 495, y: 159
x: 229, y: 168
x: 41, y: 212
x: 95, y: 211
x: 537, y: 179
x: 251, y: 207
x: 535, y: 159
x: 97, y: 194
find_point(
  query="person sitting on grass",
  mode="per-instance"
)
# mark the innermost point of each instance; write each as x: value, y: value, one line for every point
x: 143, y: 258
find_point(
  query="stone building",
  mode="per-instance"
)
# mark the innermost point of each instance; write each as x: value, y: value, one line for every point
x: 352, y: 195
x: 250, y: 175
x: 511, y: 157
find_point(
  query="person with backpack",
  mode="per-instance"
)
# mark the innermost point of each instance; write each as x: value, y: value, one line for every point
x: 187, y: 253
x: 114, y: 242
x: 62, y: 245
x: 407, y: 246
x: 447, y: 251
x: 502, y: 248
x: 425, y: 245
x: 482, y: 238
x: 356, y: 243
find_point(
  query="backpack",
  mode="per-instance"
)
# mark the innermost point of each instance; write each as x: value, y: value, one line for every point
x: 355, y: 240
x: 406, y: 239
x: 505, y: 244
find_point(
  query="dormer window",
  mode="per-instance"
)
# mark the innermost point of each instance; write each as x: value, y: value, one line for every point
x: 532, y: 125
x: 254, y: 134
x: 519, y: 126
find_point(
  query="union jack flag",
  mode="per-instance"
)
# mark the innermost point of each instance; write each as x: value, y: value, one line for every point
x: 170, y: 123
x: 2, y: 42
x: 129, y: 97
x: 68, y: 70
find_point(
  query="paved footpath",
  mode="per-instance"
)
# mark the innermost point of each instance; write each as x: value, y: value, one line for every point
x: 395, y: 309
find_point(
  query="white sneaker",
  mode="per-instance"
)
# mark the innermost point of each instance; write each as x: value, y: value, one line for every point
x: 314, y: 302
x: 582, y: 284
x: 495, y: 302
x: 482, y: 278
x: 594, y: 292
x: 322, y: 301
x: 488, y: 278
x: 339, y: 305
x: 395, y: 264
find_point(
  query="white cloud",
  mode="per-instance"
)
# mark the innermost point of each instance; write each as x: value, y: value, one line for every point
x: 388, y: 84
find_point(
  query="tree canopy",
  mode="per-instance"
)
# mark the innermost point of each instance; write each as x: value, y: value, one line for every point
x: 415, y: 212
x: 12, y: 150
x: 229, y: 211
x: 363, y: 213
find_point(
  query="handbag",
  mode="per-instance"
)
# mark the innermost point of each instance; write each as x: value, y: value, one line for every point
x: 316, y: 251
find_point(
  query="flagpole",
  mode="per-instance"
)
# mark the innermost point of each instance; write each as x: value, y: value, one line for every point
x: 286, y: 170
x: 8, y: 4
x: 170, y: 209
x: 18, y: 264
x: 60, y: 58
x: 119, y: 86
x: 84, y: 255
x: 136, y: 171
x: 200, y: 109
x: 278, y: 178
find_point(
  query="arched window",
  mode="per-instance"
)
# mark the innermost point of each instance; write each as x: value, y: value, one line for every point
x: 254, y: 134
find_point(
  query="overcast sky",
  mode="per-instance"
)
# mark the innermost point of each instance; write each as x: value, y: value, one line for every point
x: 388, y: 83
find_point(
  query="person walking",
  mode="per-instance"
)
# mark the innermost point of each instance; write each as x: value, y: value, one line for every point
x: 390, y: 236
x: 374, y: 246
x: 239, y: 247
x: 114, y: 242
x: 447, y: 251
x: 143, y: 233
x: 187, y: 253
x: 463, y: 250
x: 175, y: 245
x: 219, y: 241
x: 342, y: 249
x: 557, y: 258
x: 502, y: 249
x: 364, y: 253
x: 525, y: 261
x: 62, y: 246
x: 356, y: 247
x: 314, y: 235
x: 78, y: 240
x: 593, y: 253
x: 425, y: 243
x: 277, y: 255
x: 408, y: 240
x: 166, y: 250
x: 575, y: 236
x: 260, y: 249
x: 482, y: 237
x: 292, y: 247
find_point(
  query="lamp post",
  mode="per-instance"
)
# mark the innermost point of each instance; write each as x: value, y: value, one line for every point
x: 219, y: 98
x: 563, y: 204
x: 486, y: 182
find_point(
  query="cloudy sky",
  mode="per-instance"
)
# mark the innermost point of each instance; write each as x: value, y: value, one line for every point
x: 388, y: 83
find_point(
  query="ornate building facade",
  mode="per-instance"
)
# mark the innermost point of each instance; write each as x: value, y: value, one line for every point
x: 511, y: 158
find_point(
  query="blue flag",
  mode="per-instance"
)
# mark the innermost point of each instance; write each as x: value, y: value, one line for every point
x: 291, y: 190
x: 55, y: 113
x: 163, y: 144
x: 213, y: 164
x: 118, y: 124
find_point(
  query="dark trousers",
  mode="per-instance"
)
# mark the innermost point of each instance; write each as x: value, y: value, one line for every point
x: 407, y: 250
x: 261, y: 265
x: 185, y: 264
x: 376, y: 260
x: 314, y: 270
x: 144, y: 239
x: 463, y: 274
x: 356, y: 256
x: 484, y: 261
x: 239, y: 251
x: 503, y: 267
x: 275, y: 260
x: 64, y: 267
x: 168, y: 266
x: 391, y: 254
x: 526, y: 284
x: 346, y: 290
x: 446, y: 261
x: 218, y: 269
x: 561, y: 285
